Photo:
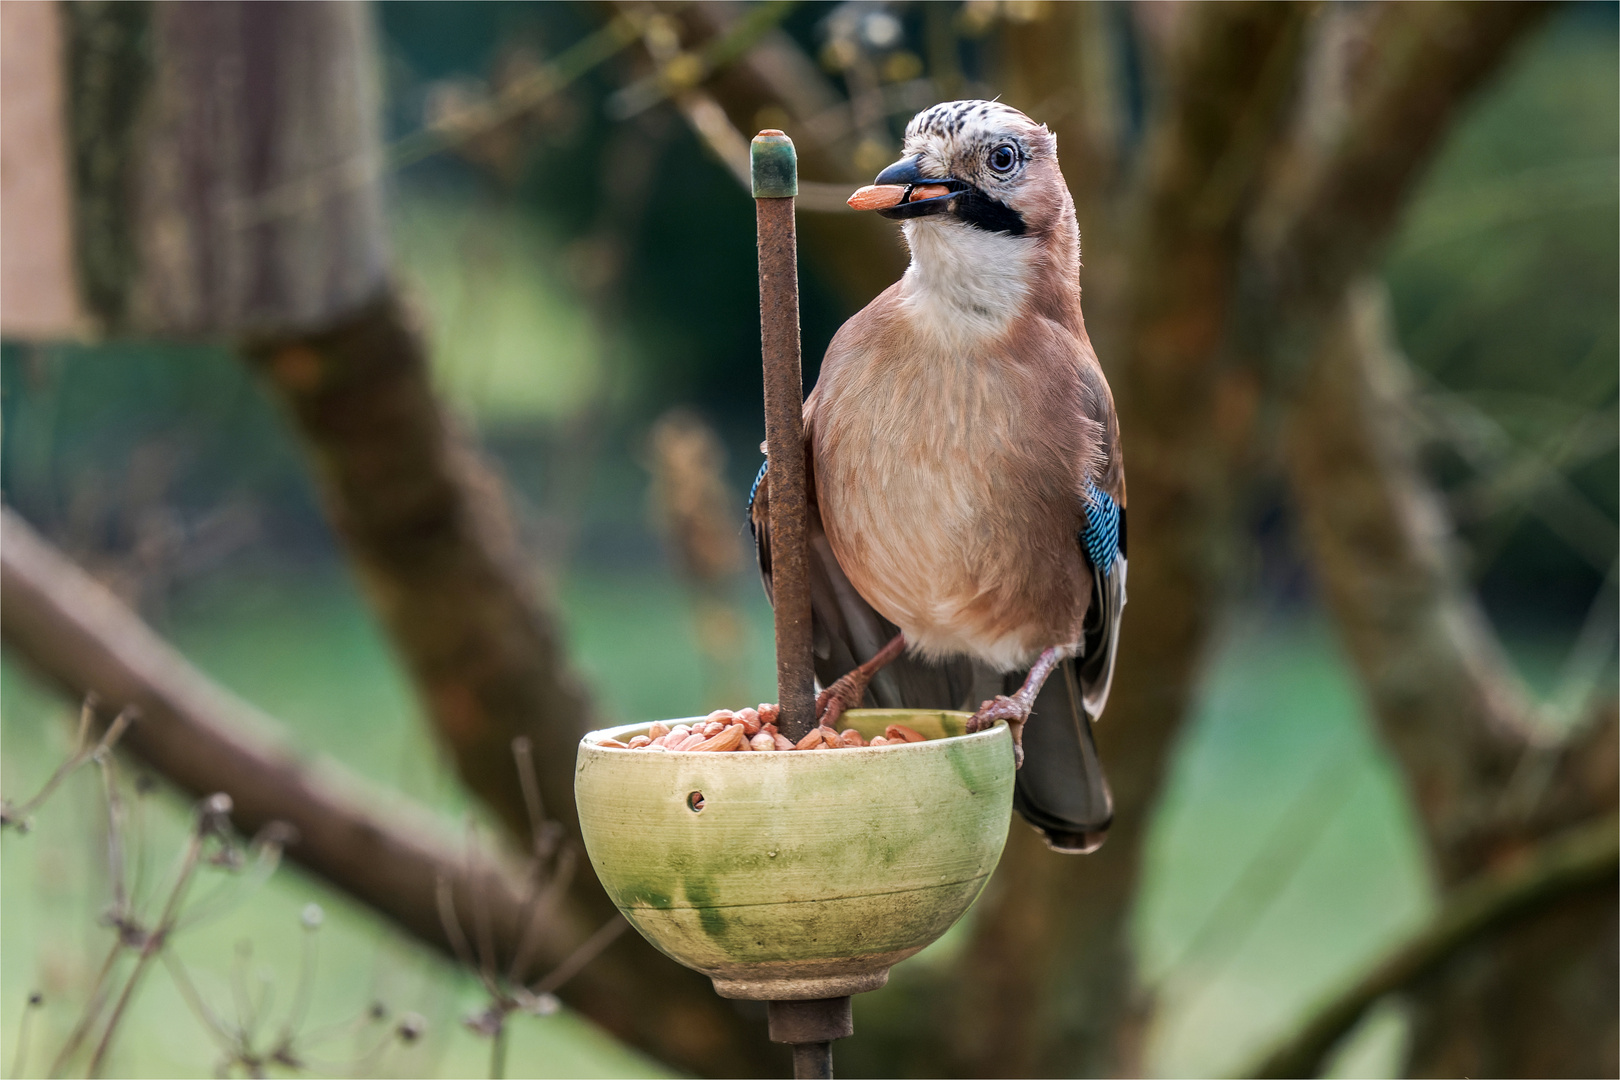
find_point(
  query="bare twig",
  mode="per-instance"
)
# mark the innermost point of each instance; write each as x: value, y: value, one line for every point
x: 522, y: 96
x: 684, y: 70
x: 214, y: 809
x: 17, y: 816
x: 92, y: 1009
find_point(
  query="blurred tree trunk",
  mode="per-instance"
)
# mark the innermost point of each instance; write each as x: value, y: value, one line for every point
x: 228, y: 165
x: 1542, y: 997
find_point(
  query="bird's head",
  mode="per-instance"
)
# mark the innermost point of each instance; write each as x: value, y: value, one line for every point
x: 982, y: 163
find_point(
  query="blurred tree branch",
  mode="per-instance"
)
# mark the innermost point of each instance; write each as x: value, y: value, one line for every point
x: 204, y: 739
x: 1585, y: 858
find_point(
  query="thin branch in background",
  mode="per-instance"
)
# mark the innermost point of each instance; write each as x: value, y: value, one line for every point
x: 19, y: 1057
x: 1521, y: 480
x: 1587, y: 668
x: 524, y: 95
x: 709, y: 122
x: 681, y: 70
x: 83, y: 750
x: 1584, y: 857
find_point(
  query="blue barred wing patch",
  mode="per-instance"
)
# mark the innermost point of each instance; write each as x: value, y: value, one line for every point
x: 1100, y: 539
x: 759, y: 478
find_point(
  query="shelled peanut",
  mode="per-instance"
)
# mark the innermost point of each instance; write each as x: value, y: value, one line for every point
x: 754, y: 730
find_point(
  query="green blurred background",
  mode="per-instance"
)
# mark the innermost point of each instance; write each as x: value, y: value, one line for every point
x: 167, y: 471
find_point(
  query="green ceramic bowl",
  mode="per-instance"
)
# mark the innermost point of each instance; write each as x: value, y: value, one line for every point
x: 803, y: 875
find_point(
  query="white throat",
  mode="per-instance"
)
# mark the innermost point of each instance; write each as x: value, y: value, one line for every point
x: 964, y: 284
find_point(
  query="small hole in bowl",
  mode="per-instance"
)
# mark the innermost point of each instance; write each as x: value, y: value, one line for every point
x: 694, y: 801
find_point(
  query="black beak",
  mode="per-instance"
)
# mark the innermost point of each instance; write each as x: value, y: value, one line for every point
x: 906, y: 172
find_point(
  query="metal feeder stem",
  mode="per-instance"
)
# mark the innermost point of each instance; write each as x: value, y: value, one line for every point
x: 809, y: 1027
x: 776, y: 183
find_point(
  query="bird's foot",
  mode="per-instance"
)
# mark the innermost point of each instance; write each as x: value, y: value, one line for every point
x: 845, y: 693
x: 1010, y: 709
x: 849, y: 691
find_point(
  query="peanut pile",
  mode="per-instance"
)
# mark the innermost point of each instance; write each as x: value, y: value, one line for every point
x: 753, y: 729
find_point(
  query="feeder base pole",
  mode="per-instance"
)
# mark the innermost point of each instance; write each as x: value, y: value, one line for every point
x: 809, y: 1027
x: 812, y: 1061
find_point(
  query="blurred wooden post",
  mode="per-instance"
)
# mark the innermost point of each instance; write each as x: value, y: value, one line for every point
x: 226, y: 160
x: 776, y: 183
x: 38, y: 298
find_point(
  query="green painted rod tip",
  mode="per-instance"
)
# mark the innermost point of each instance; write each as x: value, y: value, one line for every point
x: 774, y: 166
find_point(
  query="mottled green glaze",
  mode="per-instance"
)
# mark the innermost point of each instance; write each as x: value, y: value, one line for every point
x: 805, y: 875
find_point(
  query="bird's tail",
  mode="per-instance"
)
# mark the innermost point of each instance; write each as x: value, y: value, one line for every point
x: 1061, y: 789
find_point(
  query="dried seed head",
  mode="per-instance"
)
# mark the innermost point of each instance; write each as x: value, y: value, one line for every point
x: 312, y: 916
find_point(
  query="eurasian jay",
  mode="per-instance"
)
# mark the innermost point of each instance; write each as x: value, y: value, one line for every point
x: 966, y: 493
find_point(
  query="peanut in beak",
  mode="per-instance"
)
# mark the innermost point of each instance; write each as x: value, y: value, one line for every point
x: 883, y: 196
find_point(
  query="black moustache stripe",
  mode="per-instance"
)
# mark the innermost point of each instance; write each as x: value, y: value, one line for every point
x: 982, y: 212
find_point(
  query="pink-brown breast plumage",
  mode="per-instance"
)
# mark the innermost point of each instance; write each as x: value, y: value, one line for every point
x: 950, y: 478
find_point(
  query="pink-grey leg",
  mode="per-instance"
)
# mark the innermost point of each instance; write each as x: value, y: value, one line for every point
x: 1015, y: 709
x: 849, y: 691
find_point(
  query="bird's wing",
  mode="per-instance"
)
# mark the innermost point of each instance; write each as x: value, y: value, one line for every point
x: 1061, y: 788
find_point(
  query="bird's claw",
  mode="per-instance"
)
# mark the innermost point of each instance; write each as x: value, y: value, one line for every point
x: 842, y: 694
x: 1002, y: 707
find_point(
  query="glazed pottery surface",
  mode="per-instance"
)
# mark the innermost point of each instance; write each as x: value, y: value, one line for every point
x: 802, y: 874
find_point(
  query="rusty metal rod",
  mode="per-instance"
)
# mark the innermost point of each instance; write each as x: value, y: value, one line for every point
x: 775, y: 182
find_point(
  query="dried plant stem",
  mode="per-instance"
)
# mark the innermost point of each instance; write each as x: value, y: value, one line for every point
x: 592, y: 947
x: 115, y: 836
x: 188, y: 992
x: 154, y: 943
x: 83, y: 751
x: 92, y: 1009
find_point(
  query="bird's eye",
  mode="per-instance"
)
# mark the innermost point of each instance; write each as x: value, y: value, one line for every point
x: 1003, y: 158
